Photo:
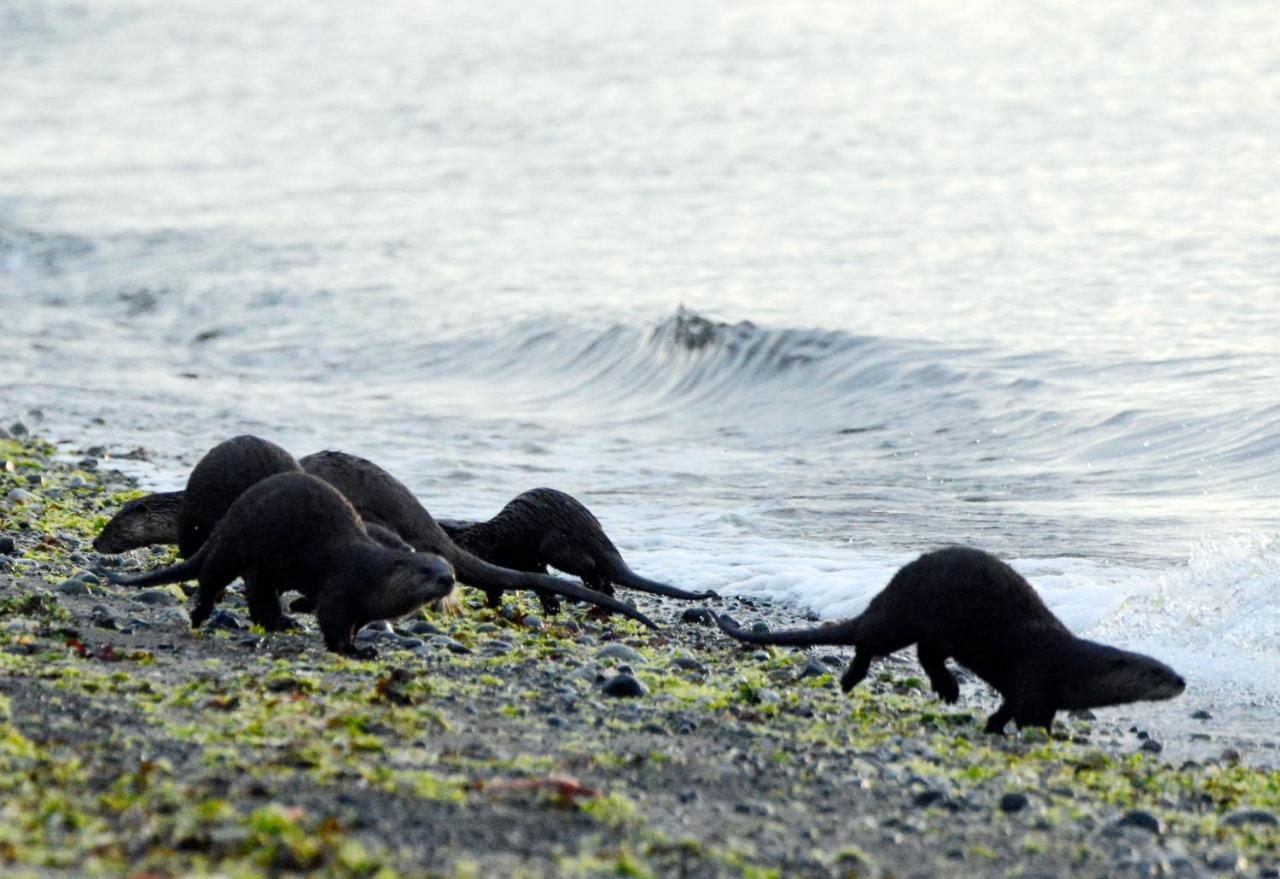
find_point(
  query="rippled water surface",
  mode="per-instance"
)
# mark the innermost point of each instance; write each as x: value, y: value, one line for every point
x: 785, y: 292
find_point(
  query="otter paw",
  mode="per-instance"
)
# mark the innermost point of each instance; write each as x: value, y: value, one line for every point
x: 282, y: 624
x: 948, y: 691
x: 550, y: 604
x: 302, y: 604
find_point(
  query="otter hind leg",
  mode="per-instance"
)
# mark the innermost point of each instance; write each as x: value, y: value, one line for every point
x: 934, y: 663
x: 264, y: 603
x: 857, y: 669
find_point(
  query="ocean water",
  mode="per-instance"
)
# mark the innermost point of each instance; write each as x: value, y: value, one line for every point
x: 786, y: 293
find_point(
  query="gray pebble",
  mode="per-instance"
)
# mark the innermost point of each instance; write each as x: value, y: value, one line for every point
x: 18, y: 429
x: 72, y: 587
x: 20, y: 496
x: 172, y: 616
x: 1201, y: 715
x: 88, y: 577
x: 225, y: 619
x: 684, y: 663
x: 812, y: 669
x: 495, y: 648
x: 1151, y: 746
x: 760, y: 628
x: 927, y: 798
x: 620, y: 652
x: 760, y: 655
x: 422, y: 627
x: 156, y: 597
x: 1242, y: 817
x: 102, y: 617
x: 1142, y: 821
x: 449, y: 644
x: 533, y: 621
x: 624, y: 686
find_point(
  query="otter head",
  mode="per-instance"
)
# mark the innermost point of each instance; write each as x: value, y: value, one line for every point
x: 420, y: 578
x: 144, y: 521
x: 1109, y: 676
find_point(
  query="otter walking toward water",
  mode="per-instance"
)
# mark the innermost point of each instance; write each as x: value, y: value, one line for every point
x: 382, y: 499
x: 293, y: 531
x: 545, y: 527
x: 967, y: 605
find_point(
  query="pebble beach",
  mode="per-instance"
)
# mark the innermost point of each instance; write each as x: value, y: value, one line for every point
x: 509, y: 743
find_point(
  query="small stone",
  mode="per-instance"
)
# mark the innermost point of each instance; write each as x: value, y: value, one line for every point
x: 533, y: 621
x: 8, y: 546
x: 927, y: 798
x: 760, y: 628
x: 225, y: 619
x: 18, y: 429
x: 812, y: 669
x: 1151, y: 746
x: 173, y: 616
x: 412, y: 644
x: 1243, y: 817
x: 1142, y: 821
x: 769, y: 697
x: 699, y: 616
x: 157, y: 597
x: 72, y: 587
x: 1013, y: 802
x: 449, y: 644
x: 760, y: 655
x: 88, y: 577
x: 624, y: 686
x: 1201, y: 715
x: 422, y: 627
x: 20, y: 496
x: 684, y: 663
x: 1230, y: 755
x: 496, y: 648
x: 620, y: 652
x: 102, y: 617
x: 376, y: 631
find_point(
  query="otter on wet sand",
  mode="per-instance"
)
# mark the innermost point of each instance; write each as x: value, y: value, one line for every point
x: 297, y: 532
x: 967, y: 605
x: 545, y: 527
x: 382, y: 499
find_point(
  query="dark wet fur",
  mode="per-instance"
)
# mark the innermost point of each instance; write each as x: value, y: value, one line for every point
x: 963, y: 604
x: 545, y: 527
x: 220, y: 477
x: 383, y: 500
x: 292, y: 531
x: 145, y: 521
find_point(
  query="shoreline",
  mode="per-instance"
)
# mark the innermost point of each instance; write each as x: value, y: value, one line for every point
x: 483, y: 744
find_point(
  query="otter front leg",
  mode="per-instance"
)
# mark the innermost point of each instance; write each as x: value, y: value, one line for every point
x: 549, y: 601
x: 997, y: 722
x: 339, y: 635
x: 934, y: 663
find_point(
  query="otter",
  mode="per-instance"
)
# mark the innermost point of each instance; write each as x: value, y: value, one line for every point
x: 145, y: 521
x: 297, y: 532
x: 219, y: 478
x: 544, y: 526
x: 965, y: 604
x: 384, y: 500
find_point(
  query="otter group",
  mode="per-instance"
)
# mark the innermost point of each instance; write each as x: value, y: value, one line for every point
x: 359, y: 546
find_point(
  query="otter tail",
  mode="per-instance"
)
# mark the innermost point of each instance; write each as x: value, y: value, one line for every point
x: 479, y: 573
x: 624, y: 576
x: 185, y: 570
x: 835, y: 633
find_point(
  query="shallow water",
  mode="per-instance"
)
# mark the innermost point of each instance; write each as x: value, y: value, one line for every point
x: 785, y: 294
